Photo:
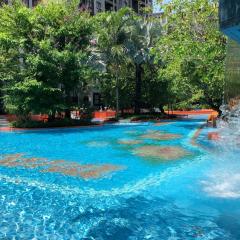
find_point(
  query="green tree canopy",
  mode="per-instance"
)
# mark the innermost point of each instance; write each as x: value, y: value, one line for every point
x: 193, y: 50
x: 52, y: 52
x: 111, y: 39
x: 44, y: 55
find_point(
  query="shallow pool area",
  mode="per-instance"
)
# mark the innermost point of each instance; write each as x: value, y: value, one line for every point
x: 119, y: 181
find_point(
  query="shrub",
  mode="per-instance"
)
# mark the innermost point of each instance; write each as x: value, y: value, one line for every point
x: 51, y: 124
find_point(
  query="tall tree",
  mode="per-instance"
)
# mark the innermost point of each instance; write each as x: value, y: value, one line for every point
x: 143, y: 35
x: 44, y: 51
x: 111, y: 38
x: 193, y: 50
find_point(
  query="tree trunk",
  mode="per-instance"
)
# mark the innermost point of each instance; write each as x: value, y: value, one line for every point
x: 51, y: 117
x: 138, y: 89
x: 117, y: 96
x: 68, y: 104
x: 117, y: 101
x: 161, y: 109
x: 68, y: 113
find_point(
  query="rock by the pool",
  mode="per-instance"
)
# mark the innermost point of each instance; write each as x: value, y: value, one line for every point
x: 129, y: 142
x: 64, y: 167
x: 161, y: 152
x: 157, y: 135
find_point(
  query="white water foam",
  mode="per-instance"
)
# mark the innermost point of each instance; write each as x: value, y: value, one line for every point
x: 224, y: 179
x: 223, y: 185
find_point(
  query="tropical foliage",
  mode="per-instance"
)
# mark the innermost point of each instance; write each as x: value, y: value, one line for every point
x: 193, y: 51
x: 55, y: 52
x: 44, y: 56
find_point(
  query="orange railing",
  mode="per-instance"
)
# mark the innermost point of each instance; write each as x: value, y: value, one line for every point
x: 104, y: 115
x: 193, y: 112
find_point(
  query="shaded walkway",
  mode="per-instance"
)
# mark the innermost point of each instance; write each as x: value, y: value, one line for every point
x: 3, y: 121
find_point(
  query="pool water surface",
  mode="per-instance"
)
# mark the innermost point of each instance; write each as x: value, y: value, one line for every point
x: 118, y: 181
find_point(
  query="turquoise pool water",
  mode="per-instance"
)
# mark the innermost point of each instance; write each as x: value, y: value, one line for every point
x: 119, y: 191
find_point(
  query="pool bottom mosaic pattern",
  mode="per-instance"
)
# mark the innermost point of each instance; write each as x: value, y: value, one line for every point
x: 142, y: 181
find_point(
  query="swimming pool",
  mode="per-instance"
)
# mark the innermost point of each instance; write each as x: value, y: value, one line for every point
x: 119, y: 181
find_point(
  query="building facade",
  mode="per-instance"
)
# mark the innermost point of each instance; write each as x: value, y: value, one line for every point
x: 229, y: 15
x: 95, y: 6
x: 29, y: 3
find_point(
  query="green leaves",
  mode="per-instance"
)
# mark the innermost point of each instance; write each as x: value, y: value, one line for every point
x: 50, y: 52
x: 193, y: 48
x: 44, y: 52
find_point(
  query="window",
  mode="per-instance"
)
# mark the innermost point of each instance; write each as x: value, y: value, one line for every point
x: 34, y: 3
x: 3, y: 2
x: 26, y: 2
x: 99, y: 6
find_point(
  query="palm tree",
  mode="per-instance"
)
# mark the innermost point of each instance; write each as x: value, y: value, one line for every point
x: 143, y: 34
x: 111, y: 39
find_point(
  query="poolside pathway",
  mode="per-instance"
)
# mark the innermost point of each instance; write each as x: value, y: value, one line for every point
x: 3, y: 122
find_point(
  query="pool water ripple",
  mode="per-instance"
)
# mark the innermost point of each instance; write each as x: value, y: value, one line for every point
x: 145, y: 200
